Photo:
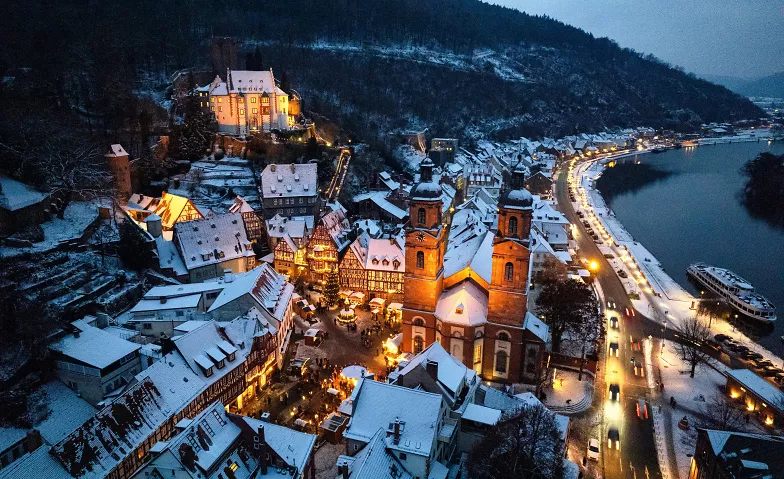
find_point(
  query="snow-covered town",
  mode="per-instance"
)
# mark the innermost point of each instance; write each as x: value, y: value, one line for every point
x: 254, y: 291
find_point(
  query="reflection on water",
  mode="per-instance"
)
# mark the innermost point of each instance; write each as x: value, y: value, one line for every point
x: 684, y: 206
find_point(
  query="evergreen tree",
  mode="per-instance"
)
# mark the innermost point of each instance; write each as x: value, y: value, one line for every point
x: 191, y: 140
x: 332, y: 288
x: 285, y: 84
x: 133, y: 249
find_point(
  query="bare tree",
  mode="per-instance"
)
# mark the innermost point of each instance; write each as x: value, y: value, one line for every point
x: 693, y: 334
x: 722, y: 414
x: 526, y: 443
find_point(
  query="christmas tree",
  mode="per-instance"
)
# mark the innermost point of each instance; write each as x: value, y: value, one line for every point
x: 332, y: 288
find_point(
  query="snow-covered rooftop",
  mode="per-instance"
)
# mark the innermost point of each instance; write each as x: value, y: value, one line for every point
x: 464, y: 303
x: 470, y: 244
x: 482, y: 414
x: 380, y: 254
x: 451, y: 372
x: 377, y: 405
x: 15, y: 195
x: 213, y: 240
x: 536, y: 326
x: 290, y: 180
x: 755, y: 384
x: 292, y: 446
x: 375, y: 461
x: 93, y: 347
x: 67, y: 411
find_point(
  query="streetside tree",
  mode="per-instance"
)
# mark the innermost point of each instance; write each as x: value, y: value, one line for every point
x: 693, y: 333
x: 524, y: 444
x: 567, y: 305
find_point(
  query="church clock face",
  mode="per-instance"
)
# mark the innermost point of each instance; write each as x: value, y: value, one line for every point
x: 420, y: 237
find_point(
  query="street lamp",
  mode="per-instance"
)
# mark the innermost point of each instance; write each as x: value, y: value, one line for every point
x: 593, y: 266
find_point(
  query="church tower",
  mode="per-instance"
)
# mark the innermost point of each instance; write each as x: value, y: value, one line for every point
x: 507, y: 302
x: 425, y: 244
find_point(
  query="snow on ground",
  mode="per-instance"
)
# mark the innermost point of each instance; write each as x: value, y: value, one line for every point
x: 409, y: 157
x: 77, y: 217
x: 566, y: 390
x: 326, y: 457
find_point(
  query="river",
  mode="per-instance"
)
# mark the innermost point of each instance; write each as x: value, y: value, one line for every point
x: 684, y: 206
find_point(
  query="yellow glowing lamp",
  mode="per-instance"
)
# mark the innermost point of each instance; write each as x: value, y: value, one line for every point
x: 593, y: 266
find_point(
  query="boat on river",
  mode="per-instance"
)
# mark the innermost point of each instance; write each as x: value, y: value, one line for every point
x: 738, y: 292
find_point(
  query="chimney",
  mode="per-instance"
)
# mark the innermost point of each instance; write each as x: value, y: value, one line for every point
x: 33, y: 440
x: 343, y: 471
x: 432, y: 369
x: 293, y: 167
x: 163, y: 299
x: 259, y: 444
x: 272, y: 167
x: 396, y: 431
x: 76, y: 332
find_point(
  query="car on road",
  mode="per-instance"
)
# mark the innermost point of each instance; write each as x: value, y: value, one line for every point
x: 713, y: 345
x: 750, y: 355
x: 610, y: 303
x: 642, y: 409
x: 721, y: 337
x: 622, y: 274
x: 630, y: 312
x: 635, y: 344
x: 614, y: 322
x: 613, y: 439
x: 639, y: 370
x: 593, y: 449
x: 615, y: 392
x: 761, y: 363
x: 770, y: 371
x: 608, y: 255
x: 615, y: 350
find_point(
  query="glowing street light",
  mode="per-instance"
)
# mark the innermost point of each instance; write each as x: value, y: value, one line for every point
x: 593, y: 266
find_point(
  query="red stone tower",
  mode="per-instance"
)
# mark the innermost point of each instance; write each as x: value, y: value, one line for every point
x: 119, y: 166
x: 425, y: 244
x: 509, y: 277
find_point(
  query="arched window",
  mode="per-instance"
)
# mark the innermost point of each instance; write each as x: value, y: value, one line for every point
x: 420, y: 262
x: 500, y: 362
x: 419, y: 344
x: 509, y: 272
x: 419, y: 322
x: 512, y: 226
x: 502, y: 336
x: 421, y: 216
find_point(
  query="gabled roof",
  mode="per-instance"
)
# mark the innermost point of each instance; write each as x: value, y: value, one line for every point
x: 249, y: 81
x: 240, y: 206
x: 420, y: 411
x: 67, y: 411
x: 278, y: 226
x: 225, y: 234
x: 169, y: 207
x: 268, y: 288
x: 536, y: 326
x: 379, y: 254
x: 15, y: 195
x: 469, y: 245
x: 201, y: 349
x: 291, y: 446
x: 464, y: 303
x: 770, y: 394
x: 338, y: 228
x: 451, y: 372
x: 375, y: 461
x: 94, y: 347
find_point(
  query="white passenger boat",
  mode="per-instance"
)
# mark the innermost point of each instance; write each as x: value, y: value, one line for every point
x: 736, y: 290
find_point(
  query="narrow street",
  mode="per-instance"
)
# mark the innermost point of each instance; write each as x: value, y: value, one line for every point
x: 336, y: 183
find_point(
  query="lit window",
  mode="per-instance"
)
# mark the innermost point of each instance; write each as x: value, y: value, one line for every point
x: 253, y: 100
x: 233, y: 467
x: 255, y: 110
x: 220, y: 108
x: 212, y: 108
x: 220, y: 100
x: 212, y: 99
x: 242, y: 111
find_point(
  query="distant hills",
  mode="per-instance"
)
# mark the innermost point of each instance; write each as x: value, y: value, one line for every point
x: 770, y: 86
x: 458, y: 67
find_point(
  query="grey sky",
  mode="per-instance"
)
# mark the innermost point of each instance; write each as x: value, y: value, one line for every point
x: 743, y: 38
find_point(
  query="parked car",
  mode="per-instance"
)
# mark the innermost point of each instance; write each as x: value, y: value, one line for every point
x: 622, y: 274
x: 721, y: 337
x: 615, y: 392
x: 593, y: 449
x: 713, y: 345
x: 613, y: 439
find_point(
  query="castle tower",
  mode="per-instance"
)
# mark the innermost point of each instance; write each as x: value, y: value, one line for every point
x: 509, y: 276
x: 425, y: 243
x: 119, y: 166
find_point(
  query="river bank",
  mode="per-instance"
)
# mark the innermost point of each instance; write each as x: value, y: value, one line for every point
x: 661, y: 297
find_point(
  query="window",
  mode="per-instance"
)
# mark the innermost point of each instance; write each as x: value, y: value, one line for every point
x: 421, y: 216
x: 509, y: 272
x: 500, y: 362
x: 502, y: 336
x: 255, y: 110
x: 512, y: 226
x: 179, y: 313
x: 220, y: 108
x: 242, y: 111
x: 212, y: 99
x: 147, y: 326
x: 212, y: 108
x: 420, y: 260
x: 419, y: 322
x: 403, y: 456
x: 419, y: 344
x: 253, y: 100
x: 220, y: 100
x: 477, y: 353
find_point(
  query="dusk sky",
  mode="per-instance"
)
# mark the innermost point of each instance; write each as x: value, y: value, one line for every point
x: 743, y: 38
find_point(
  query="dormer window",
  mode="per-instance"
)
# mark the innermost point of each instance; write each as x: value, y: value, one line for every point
x: 232, y: 356
x: 375, y: 261
x: 385, y: 262
x: 396, y: 264
x: 459, y: 309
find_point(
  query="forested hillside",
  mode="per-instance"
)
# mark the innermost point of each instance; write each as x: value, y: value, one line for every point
x: 452, y: 65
